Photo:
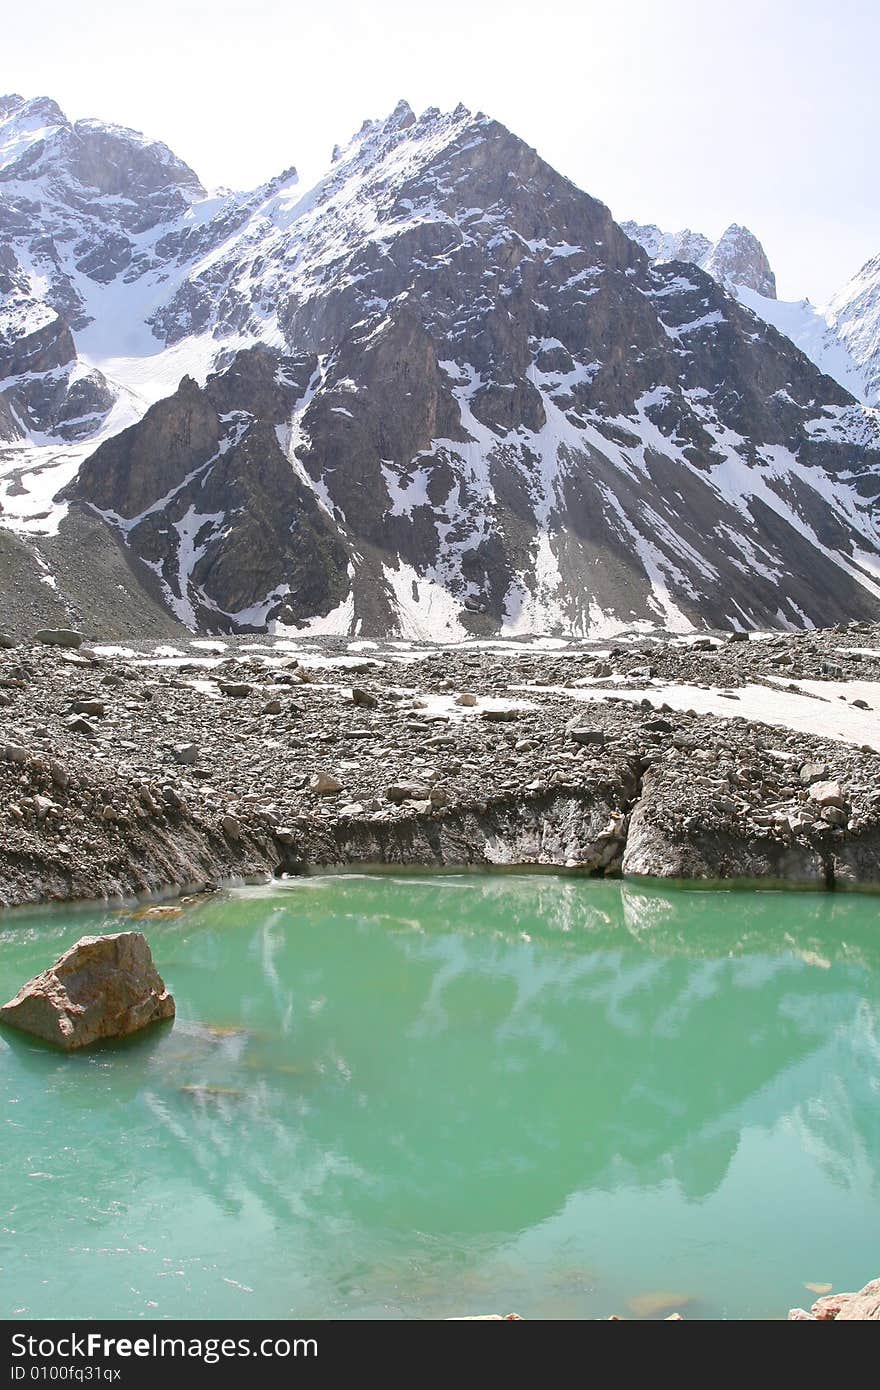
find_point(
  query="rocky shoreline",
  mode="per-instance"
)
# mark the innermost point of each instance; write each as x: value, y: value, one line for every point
x: 129, y: 771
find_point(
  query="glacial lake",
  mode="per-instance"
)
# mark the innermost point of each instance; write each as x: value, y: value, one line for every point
x: 419, y: 1096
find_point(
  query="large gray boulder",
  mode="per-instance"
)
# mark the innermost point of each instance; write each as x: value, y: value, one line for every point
x: 103, y: 987
x: 58, y: 637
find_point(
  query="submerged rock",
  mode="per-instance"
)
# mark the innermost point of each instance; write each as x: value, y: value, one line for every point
x: 103, y: 987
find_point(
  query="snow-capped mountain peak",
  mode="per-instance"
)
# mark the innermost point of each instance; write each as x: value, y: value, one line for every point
x: 842, y: 339
x: 438, y: 392
x: 736, y: 259
x: 854, y: 313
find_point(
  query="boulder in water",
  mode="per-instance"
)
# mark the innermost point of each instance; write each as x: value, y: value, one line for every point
x: 103, y: 987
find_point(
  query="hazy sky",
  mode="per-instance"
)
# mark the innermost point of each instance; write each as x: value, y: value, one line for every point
x: 680, y: 112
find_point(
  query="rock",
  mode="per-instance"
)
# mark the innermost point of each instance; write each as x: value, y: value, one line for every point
x: 272, y: 707
x: 466, y: 699
x: 324, y: 784
x: 586, y: 736
x: 657, y: 1303
x: 737, y: 637
x: 863, y: 1306
x: 6, y: 642
x: 500, y: 716
x: 78, y: 724
x: 95, y: 708
x: 488, y: 1317
x: 407, y: 791
x: 185, y: 753
x: 59, y: 774
x: 363, y: 698
x: 231, y: 827
x: 103, y: 987
x: 59, y: 637
x: 827, y: 794
x: 812, y: 772
x: 15, y: 753
x: 239, y: 690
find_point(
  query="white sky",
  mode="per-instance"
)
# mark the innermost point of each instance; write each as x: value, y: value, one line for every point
x: 680, y: 112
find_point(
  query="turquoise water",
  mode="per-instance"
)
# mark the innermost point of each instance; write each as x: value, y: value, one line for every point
x: 394, y: 1097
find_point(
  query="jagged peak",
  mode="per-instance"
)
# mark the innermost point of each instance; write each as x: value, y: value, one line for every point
x: 402, y: 117
x: 36, y: 138
x: 738, y: 258
x: 42, y: 107
x: 735, y: 258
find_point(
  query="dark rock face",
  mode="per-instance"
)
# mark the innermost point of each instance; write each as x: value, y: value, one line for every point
x: 205, y: 495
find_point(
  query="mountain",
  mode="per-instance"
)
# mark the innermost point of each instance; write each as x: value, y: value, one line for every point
x: 842, y: 339
x: 854, y: 314
x: 737, y: 259
x: 441, y: 392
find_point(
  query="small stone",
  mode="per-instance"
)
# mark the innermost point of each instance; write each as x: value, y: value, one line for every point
x: 585, y: 736
x: 6, y: 642
x: 827, y: 794
x: 238, y: 690
x: 231, y: 827
x: 812, y: 772
x: 272, y: 707
x: 109, y: 813
x: 172, y: 798
x: 95, y: 708
x: 324, y: 784
x: 78, y: 724
x: 466, y: 699
x: 15, y: 753
x: 363, y: 698
x: 59, y: 637
x: 500, y: 716
x: 407, y: 791
x: 185, y: 753
x: 59, y: 774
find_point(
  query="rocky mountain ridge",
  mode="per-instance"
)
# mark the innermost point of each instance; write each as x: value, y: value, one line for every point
x: 736, y: 259
x: 843, y: 338
x: 440, y: 393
